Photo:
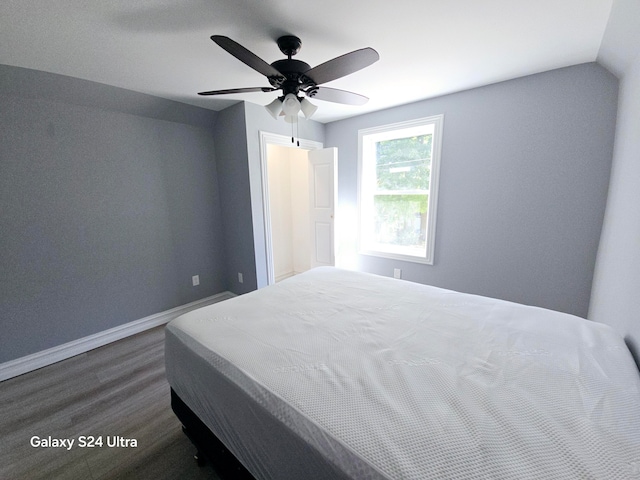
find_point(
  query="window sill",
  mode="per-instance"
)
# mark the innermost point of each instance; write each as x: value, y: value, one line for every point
x: 398, y: 256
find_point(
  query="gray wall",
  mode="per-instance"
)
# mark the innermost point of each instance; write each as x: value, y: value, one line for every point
x: 110, y: 200
x: 104, y: 215
x: 523, y: 185
x: 233, y: 168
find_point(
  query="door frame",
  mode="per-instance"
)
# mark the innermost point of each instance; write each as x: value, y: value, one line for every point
x: 266, y: 139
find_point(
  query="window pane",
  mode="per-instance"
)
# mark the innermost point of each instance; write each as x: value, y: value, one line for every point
x: 403, y: 163
x: 400, y: 220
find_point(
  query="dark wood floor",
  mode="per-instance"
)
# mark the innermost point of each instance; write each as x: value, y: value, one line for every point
x: 118, y: 390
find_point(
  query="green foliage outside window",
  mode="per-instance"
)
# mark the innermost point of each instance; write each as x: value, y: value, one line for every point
x: 402, y: 164
x: 400, y: 219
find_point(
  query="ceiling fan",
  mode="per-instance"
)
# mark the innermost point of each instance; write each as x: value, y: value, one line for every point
x: 295, y: 77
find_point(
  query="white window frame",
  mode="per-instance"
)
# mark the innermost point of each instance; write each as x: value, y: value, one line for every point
x: 366, y: 139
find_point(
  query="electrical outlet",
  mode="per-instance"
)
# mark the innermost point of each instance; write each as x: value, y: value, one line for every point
x: 195, y: 280
x: 397, y: 273
x: 240, y: 277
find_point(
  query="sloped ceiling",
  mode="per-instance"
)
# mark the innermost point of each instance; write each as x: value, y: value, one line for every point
x: 621, y: 43
x: 427, y: 47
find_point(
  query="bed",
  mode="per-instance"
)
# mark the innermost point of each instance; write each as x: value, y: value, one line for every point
x: 334, y: 374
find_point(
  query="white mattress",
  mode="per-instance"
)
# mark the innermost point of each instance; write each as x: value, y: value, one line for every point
x: 335, y: 374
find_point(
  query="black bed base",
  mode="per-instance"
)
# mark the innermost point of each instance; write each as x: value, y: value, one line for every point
x: 209, y: 447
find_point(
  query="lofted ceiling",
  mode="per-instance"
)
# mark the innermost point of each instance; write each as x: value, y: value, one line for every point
x: 427, y: 48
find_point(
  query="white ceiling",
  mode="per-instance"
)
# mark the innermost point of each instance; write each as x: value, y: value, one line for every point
x: 427, y: 48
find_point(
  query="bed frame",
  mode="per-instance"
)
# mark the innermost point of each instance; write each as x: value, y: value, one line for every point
x: 208, y: 447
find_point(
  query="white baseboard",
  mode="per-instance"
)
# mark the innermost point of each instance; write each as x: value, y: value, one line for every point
x: 21, y: 365
x: 281, y: 277
x: 284, y: 276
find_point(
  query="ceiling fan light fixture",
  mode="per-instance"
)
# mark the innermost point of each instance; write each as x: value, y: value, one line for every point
x: 274, y: 108
x: 290, y: 105
x: 308, y: 108
x: 291, y: 118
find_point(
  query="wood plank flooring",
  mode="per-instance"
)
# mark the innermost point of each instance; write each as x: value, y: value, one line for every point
x: 116, y: 390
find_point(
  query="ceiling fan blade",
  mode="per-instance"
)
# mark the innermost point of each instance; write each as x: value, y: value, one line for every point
x: 245, y: 56
x: 338, y: 96
x: 343, y: 65
x: 238, y: 90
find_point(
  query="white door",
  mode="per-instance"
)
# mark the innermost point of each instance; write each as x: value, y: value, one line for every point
x: 322, y: 200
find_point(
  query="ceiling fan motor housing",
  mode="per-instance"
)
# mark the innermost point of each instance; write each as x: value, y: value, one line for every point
x: 294, y: 71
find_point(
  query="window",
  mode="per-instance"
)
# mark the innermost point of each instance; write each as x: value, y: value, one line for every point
x: 398, y: 185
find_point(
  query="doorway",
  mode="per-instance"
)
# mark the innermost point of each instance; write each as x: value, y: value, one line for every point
x: 299, y: 191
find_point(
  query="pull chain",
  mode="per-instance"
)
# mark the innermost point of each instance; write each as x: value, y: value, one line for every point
x: 296, y: 133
